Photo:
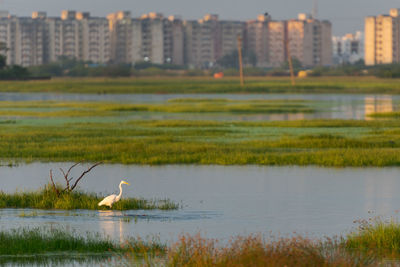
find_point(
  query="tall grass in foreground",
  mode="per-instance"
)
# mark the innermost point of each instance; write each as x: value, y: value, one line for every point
x: 253, y: 250
x: 375, y: 243
x: 46, y: 198
x: 379, y: 238
x: 37, y: 240
x: 45, y: 246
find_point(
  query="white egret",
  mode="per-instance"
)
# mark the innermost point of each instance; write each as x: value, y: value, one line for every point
x: 111, y: 199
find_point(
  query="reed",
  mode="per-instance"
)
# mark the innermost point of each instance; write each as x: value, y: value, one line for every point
x: 376, y: 237
x: 39, y: 240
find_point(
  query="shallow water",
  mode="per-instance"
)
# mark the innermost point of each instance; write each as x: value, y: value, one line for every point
x: 218, y: 201
x: 329, y: 106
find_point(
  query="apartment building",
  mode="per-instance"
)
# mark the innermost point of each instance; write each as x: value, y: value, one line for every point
x: 23, y: 39
x: 201, y: 41
x: 229, y: 32
x: 277, y: 36
x: 382, y: 38
x: 309, y: 41
x: 121, y: 31
x: 95, y: 38
x: 256, y: 39
x: 150, y: 38
x: 119, y: 38
x: 348, y: 48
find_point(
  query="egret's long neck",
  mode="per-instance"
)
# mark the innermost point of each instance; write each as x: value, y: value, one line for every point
x: 120, y: 192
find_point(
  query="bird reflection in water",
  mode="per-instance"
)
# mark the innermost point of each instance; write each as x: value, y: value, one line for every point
x: 113, y: 224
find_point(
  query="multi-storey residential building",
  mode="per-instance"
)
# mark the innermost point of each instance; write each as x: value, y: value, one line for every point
x: 348, y: 48
x: 256, y: 39
x: 277, y: 36
x: 382, y: 38
x: 65, y: 36
x: 151, y: 38
x: 309, y: 40
x: 176, y: 49
x: 95, y: 42
x: 154, y: 38
x: 201, y: 41
x: 121, y: 32
x: 209, y: 39
x: 5, y: 35
x: 229, y: 32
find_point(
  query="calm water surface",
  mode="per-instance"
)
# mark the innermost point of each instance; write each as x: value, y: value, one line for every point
x: 218, y: 201
x: 329, y: 106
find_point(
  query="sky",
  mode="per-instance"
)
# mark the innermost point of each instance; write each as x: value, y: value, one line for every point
x: 347, y: 16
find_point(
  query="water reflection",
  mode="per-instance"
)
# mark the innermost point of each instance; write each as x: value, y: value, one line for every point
x: 219, y: 201
x: 112, y: 224
x: 329, y: 106
x: 378, y: 104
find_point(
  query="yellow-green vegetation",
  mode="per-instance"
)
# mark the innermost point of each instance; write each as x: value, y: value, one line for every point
x: 376, y: 238
x: 314, y: 142
x: 373, y: 244
x: 47, y: 198
x: 98, y: 109
x: 43, y: 246
x: 394, y: 114
x: 205, y: 85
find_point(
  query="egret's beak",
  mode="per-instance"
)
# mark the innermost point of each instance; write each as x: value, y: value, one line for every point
x: 126, y: 183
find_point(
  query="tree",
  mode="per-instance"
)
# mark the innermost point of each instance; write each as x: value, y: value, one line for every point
x: 3, y: 62
x: 3, y: 58
x: 232, y: 60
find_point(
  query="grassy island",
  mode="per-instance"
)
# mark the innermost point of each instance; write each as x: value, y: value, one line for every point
x: 47, y: 198
x: 314, y: 142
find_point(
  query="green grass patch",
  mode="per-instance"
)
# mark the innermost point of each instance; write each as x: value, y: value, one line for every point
x: 46, y: 198
x: 376, y: 237
x: 374, y: 244
x: 98, y: 109
x: 395, y: 114
x: 184, y: 85
x: 44, y: 246
x: 321, y: 142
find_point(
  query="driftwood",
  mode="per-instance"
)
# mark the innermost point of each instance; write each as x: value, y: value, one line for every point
x: 70, y: 185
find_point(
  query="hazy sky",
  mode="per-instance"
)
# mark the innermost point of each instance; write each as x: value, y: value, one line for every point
x: 345, y: 15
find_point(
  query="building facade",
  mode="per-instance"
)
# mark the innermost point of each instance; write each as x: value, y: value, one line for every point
x: 382, y: 38
x: 120, y: 38
x: 348, y: 48
x: 256, y: 39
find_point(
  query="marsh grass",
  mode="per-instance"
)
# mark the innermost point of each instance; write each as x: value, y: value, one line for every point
x: 184, y: 85
x: 58, y: 246
x: 376, y: 237
x: 375, y: 243
x: 55, y: 109
x: 252, y: 250
x: 38, y: 240
x: 46, y: 198
x: 322, y: 142
x: 394, y: 114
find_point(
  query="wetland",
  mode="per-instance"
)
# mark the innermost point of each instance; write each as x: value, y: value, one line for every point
x: 317, y: 161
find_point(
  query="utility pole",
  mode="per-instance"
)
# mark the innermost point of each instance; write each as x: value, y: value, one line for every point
x: 315, y: 9
x: 290, y: 62
x: 239, y: 44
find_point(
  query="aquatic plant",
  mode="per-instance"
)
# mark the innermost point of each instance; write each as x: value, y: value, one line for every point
x: 47, y: 198
x: 375, y: 237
